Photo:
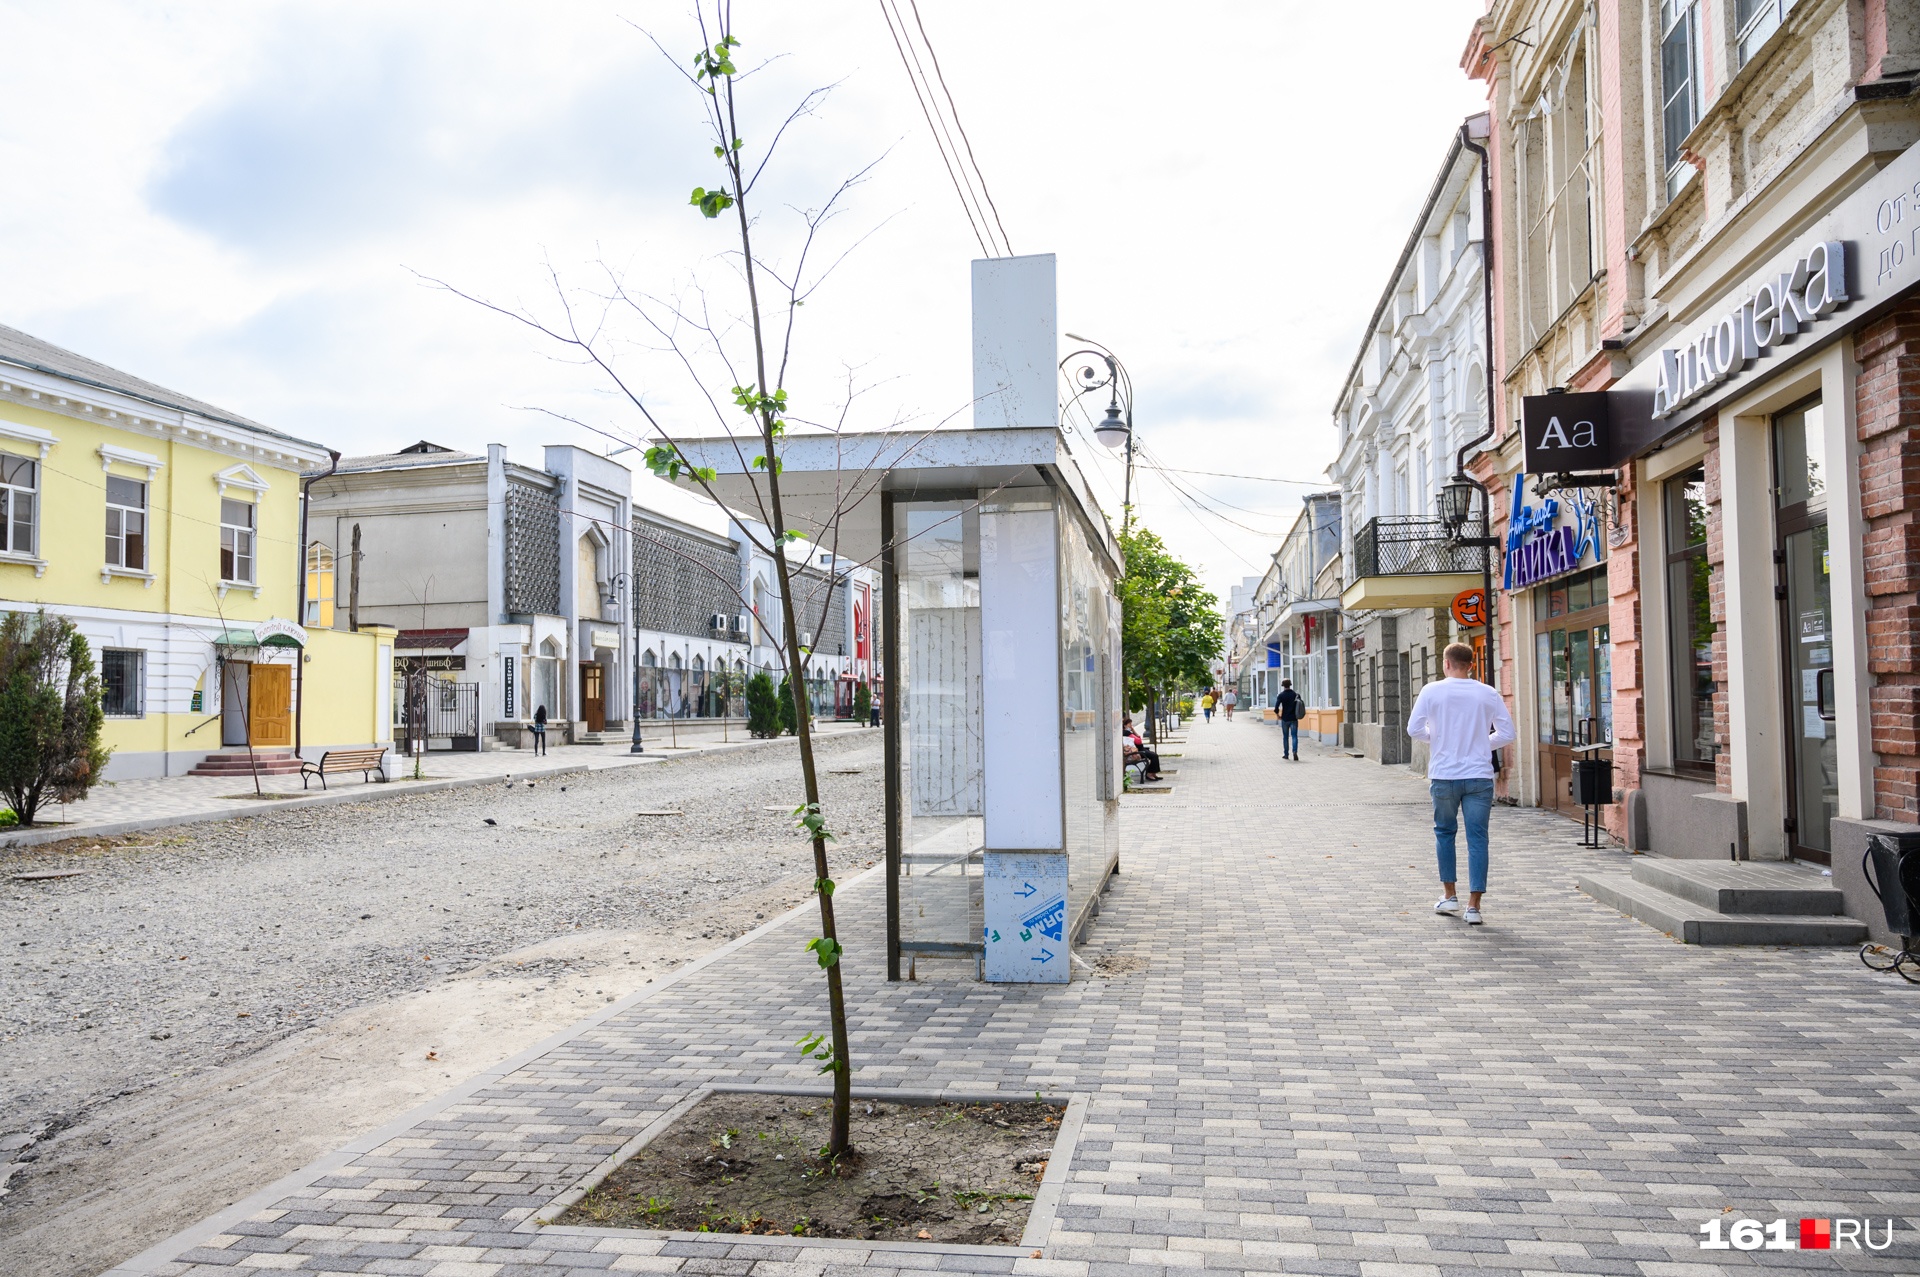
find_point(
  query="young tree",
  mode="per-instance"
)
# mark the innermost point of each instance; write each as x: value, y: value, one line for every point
x: 789, y: 724
x: 746, y: 347
x: 862, y: 703
x: 50, y: 713
x: 1170, y: 628
x: 763, y: 707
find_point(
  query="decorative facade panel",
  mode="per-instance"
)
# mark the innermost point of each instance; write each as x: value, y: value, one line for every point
x: 682, y: 580
x: 829, y: 633
x: 533, y: 550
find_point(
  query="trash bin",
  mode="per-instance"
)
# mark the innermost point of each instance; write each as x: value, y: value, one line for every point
x: 1892, y: 867
x: 1592, y: 782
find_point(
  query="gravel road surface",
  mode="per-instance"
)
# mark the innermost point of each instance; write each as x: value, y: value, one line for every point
x: 192, y: 948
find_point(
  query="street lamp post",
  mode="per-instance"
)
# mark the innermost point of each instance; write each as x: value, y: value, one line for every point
x: 620, y: 582
x: 1116, y: 428
x: 1456, y: 504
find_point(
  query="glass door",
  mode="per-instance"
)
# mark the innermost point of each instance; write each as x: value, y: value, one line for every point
x: 1573, y: 679
x: 1806, y: 633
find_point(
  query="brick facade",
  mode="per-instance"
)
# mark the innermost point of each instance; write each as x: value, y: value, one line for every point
x: 1887, y: 404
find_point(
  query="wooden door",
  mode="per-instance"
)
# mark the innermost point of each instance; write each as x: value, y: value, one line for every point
x: 270, y: 705
x: 593, y: 700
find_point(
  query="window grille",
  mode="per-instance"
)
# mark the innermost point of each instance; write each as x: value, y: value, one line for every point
x: 122, y: 681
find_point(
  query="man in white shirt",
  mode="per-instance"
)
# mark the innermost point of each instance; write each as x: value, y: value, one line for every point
x: 1463, y: 721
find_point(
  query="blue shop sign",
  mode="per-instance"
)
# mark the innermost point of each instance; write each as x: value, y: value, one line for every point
x: 1550, y: 539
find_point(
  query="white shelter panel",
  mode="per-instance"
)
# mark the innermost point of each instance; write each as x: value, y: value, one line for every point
x: 1016, y: 349
x: 1020, y: 677
x: 943, y: 715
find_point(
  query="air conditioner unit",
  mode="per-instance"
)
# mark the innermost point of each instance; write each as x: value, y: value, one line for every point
x: 718, y: 622
x: 740, y: 623
x: 806, y: 639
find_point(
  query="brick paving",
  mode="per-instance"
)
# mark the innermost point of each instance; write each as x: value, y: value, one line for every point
x: 1305, y: 1071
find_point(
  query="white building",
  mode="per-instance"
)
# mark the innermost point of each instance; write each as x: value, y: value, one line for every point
x: 1416, y: 393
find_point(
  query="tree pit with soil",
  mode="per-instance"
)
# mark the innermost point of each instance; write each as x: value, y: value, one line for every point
x: 749, y: 1163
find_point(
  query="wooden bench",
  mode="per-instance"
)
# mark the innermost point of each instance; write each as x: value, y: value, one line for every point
x: 1133, y: 760
x: 341, y: 762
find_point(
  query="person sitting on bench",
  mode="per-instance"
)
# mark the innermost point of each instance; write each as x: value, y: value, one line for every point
x: 1136, y: 751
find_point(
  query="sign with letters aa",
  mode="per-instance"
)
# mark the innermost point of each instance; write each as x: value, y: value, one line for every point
x: 1570, y: 432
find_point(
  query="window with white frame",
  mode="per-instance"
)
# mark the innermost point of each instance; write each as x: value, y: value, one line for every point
x: 236, y: 540
x: 123, y: 682
x: 19, y: 503
x: 1679, y: 84
x: 126, y: 524
x: 1754, y: 21
x: 1557, y: 183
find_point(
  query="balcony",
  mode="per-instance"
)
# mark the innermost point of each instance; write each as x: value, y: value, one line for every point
x: 1407, y: 561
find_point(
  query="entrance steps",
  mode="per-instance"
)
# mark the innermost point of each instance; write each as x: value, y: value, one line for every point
x: 603, y: 738
x: 269, y: 762
x: 1725, y: 902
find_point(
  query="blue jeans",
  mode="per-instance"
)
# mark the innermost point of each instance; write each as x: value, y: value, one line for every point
x: 1289, y: 736
x: 1452, y: 799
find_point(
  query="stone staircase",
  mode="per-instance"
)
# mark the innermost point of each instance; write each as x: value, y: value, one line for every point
x: 271, y: 762
x: 1725, y: 902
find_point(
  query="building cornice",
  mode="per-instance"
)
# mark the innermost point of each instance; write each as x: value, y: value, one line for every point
x: 82, y: 401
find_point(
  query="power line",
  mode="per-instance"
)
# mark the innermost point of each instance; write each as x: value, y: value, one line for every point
x: 972, y: 222
x: 963, y: 173
x: 1253, y: 478
x: 942, y: 75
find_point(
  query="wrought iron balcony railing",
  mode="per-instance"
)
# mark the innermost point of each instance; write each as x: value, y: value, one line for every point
x: 1410, y: 545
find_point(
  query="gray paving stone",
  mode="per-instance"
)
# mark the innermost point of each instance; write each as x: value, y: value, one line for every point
x: 1311, y: 1073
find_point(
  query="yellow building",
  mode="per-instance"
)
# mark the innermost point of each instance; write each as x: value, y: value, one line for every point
x: 169, y: 532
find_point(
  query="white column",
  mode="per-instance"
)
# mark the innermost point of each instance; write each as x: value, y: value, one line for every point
x: 1754, y: 695
x: 1846, y: 530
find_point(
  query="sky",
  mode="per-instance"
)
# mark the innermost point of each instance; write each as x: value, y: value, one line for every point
x: 296, y: 211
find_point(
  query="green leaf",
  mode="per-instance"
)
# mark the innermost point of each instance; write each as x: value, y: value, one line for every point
x: 823, y: 885
x: 710, y: 203
x: 826, y: 950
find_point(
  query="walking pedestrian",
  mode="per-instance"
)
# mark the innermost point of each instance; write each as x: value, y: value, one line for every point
x: 1206, y: 705
x: 1463, y: 722
x: 1286, y: 706
x: 540, y: 730
x: 1229, y: 699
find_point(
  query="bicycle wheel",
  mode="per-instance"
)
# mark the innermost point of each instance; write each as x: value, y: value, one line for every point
x: 1908, y: 965
x: 1878, y: 957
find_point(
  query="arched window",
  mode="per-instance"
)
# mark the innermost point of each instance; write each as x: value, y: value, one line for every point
x: 319, y: 586
x: 649, y: 684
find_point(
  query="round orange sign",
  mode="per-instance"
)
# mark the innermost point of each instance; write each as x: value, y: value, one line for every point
x: 1470, y: 607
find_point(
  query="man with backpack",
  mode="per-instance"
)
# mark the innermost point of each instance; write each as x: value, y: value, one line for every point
x: 1463, y: 721
x: 1287, y: 706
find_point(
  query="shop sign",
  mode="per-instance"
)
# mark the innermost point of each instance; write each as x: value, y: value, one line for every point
x: 1273, y: 656
x: 606, y: 638
x: 1788, y: 303
x: 1470, y: 608
x: 276, y: 627
x: 506, y: 687
x: 1861, y: 255
x: 1540, y: 546
x: 1567, y: 432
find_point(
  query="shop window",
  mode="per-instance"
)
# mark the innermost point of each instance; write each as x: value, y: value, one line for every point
x: 19, y: 493
x: 236, y: 540
x: 320, y: 577
x: 1755, y: 20
x: 122, y: 681
x: 1690, y: 622
x: 126, y: 524
x: 1679, y: 84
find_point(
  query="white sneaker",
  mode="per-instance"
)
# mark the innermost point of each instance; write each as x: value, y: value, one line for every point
x: 1473, y: 916
x: 1450, y: 905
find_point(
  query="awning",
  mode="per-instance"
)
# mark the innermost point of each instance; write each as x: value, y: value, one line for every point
x: 269, y: 633
x: 1414, y: 589
x: 442, y: 640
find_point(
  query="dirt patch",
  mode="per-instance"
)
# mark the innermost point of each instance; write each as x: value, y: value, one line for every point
x: 954, y: 1173
x: 1119, y: 964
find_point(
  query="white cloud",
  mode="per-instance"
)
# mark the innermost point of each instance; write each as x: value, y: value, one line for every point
x: 230, y: 199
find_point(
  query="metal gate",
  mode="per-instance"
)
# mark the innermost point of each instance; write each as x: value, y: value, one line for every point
x: 436, y: 713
